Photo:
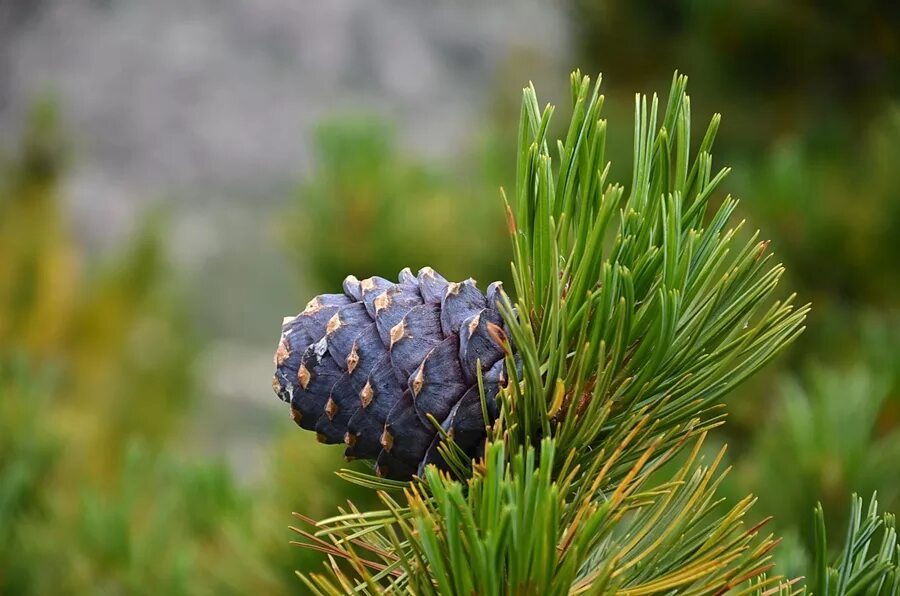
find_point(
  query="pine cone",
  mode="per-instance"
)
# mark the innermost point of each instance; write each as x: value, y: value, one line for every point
x: 368, y: 366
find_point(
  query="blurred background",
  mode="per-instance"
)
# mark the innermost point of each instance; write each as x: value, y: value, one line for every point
x: 177, y: 176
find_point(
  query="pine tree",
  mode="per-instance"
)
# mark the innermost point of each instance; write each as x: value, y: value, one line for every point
x: 637, y: 309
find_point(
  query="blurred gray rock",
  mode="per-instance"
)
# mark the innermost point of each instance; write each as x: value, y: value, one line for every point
x: 214, y: 99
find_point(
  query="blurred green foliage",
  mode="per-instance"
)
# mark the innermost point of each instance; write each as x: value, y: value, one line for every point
x: 789, y: 62
x: 834, y: 214
x: 826, y: 438
x: 160, y: 526
x: 369, y: 209
x: 96, y: 387
x: 832, y: 427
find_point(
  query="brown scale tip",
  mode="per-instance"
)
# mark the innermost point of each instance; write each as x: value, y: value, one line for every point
x: 320, y: 437
x: 398, y: 331
x: 473, y: 324
x: 312, y: 306
x: 381, y: 471
x: 276, y: 386
x: 352, y: 359
x: 303, y: 376
x: 367, y: 285
x: 296, y: 415
x: 366, y: 394
x: 331, y: 408
x: 387, y: 440
x: 349, y: 439
x: 334, y: 323
x: 419, y: 380
x: 283, y: 352
x: 382, y: 301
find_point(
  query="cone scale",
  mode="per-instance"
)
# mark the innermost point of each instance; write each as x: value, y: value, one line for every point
x: 371, y: 366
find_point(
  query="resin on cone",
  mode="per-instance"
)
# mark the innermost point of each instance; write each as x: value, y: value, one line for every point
x: 372, y: 366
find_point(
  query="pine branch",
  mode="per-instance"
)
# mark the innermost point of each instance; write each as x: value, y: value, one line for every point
x: 635, y: 313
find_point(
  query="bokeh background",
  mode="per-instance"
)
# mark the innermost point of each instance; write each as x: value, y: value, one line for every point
x: 177, y: 176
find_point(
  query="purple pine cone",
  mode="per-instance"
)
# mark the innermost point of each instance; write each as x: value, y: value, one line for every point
x: 367, y: 367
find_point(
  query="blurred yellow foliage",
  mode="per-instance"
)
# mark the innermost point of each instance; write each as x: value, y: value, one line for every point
x: 38, y: 268
x: 115, y: 332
